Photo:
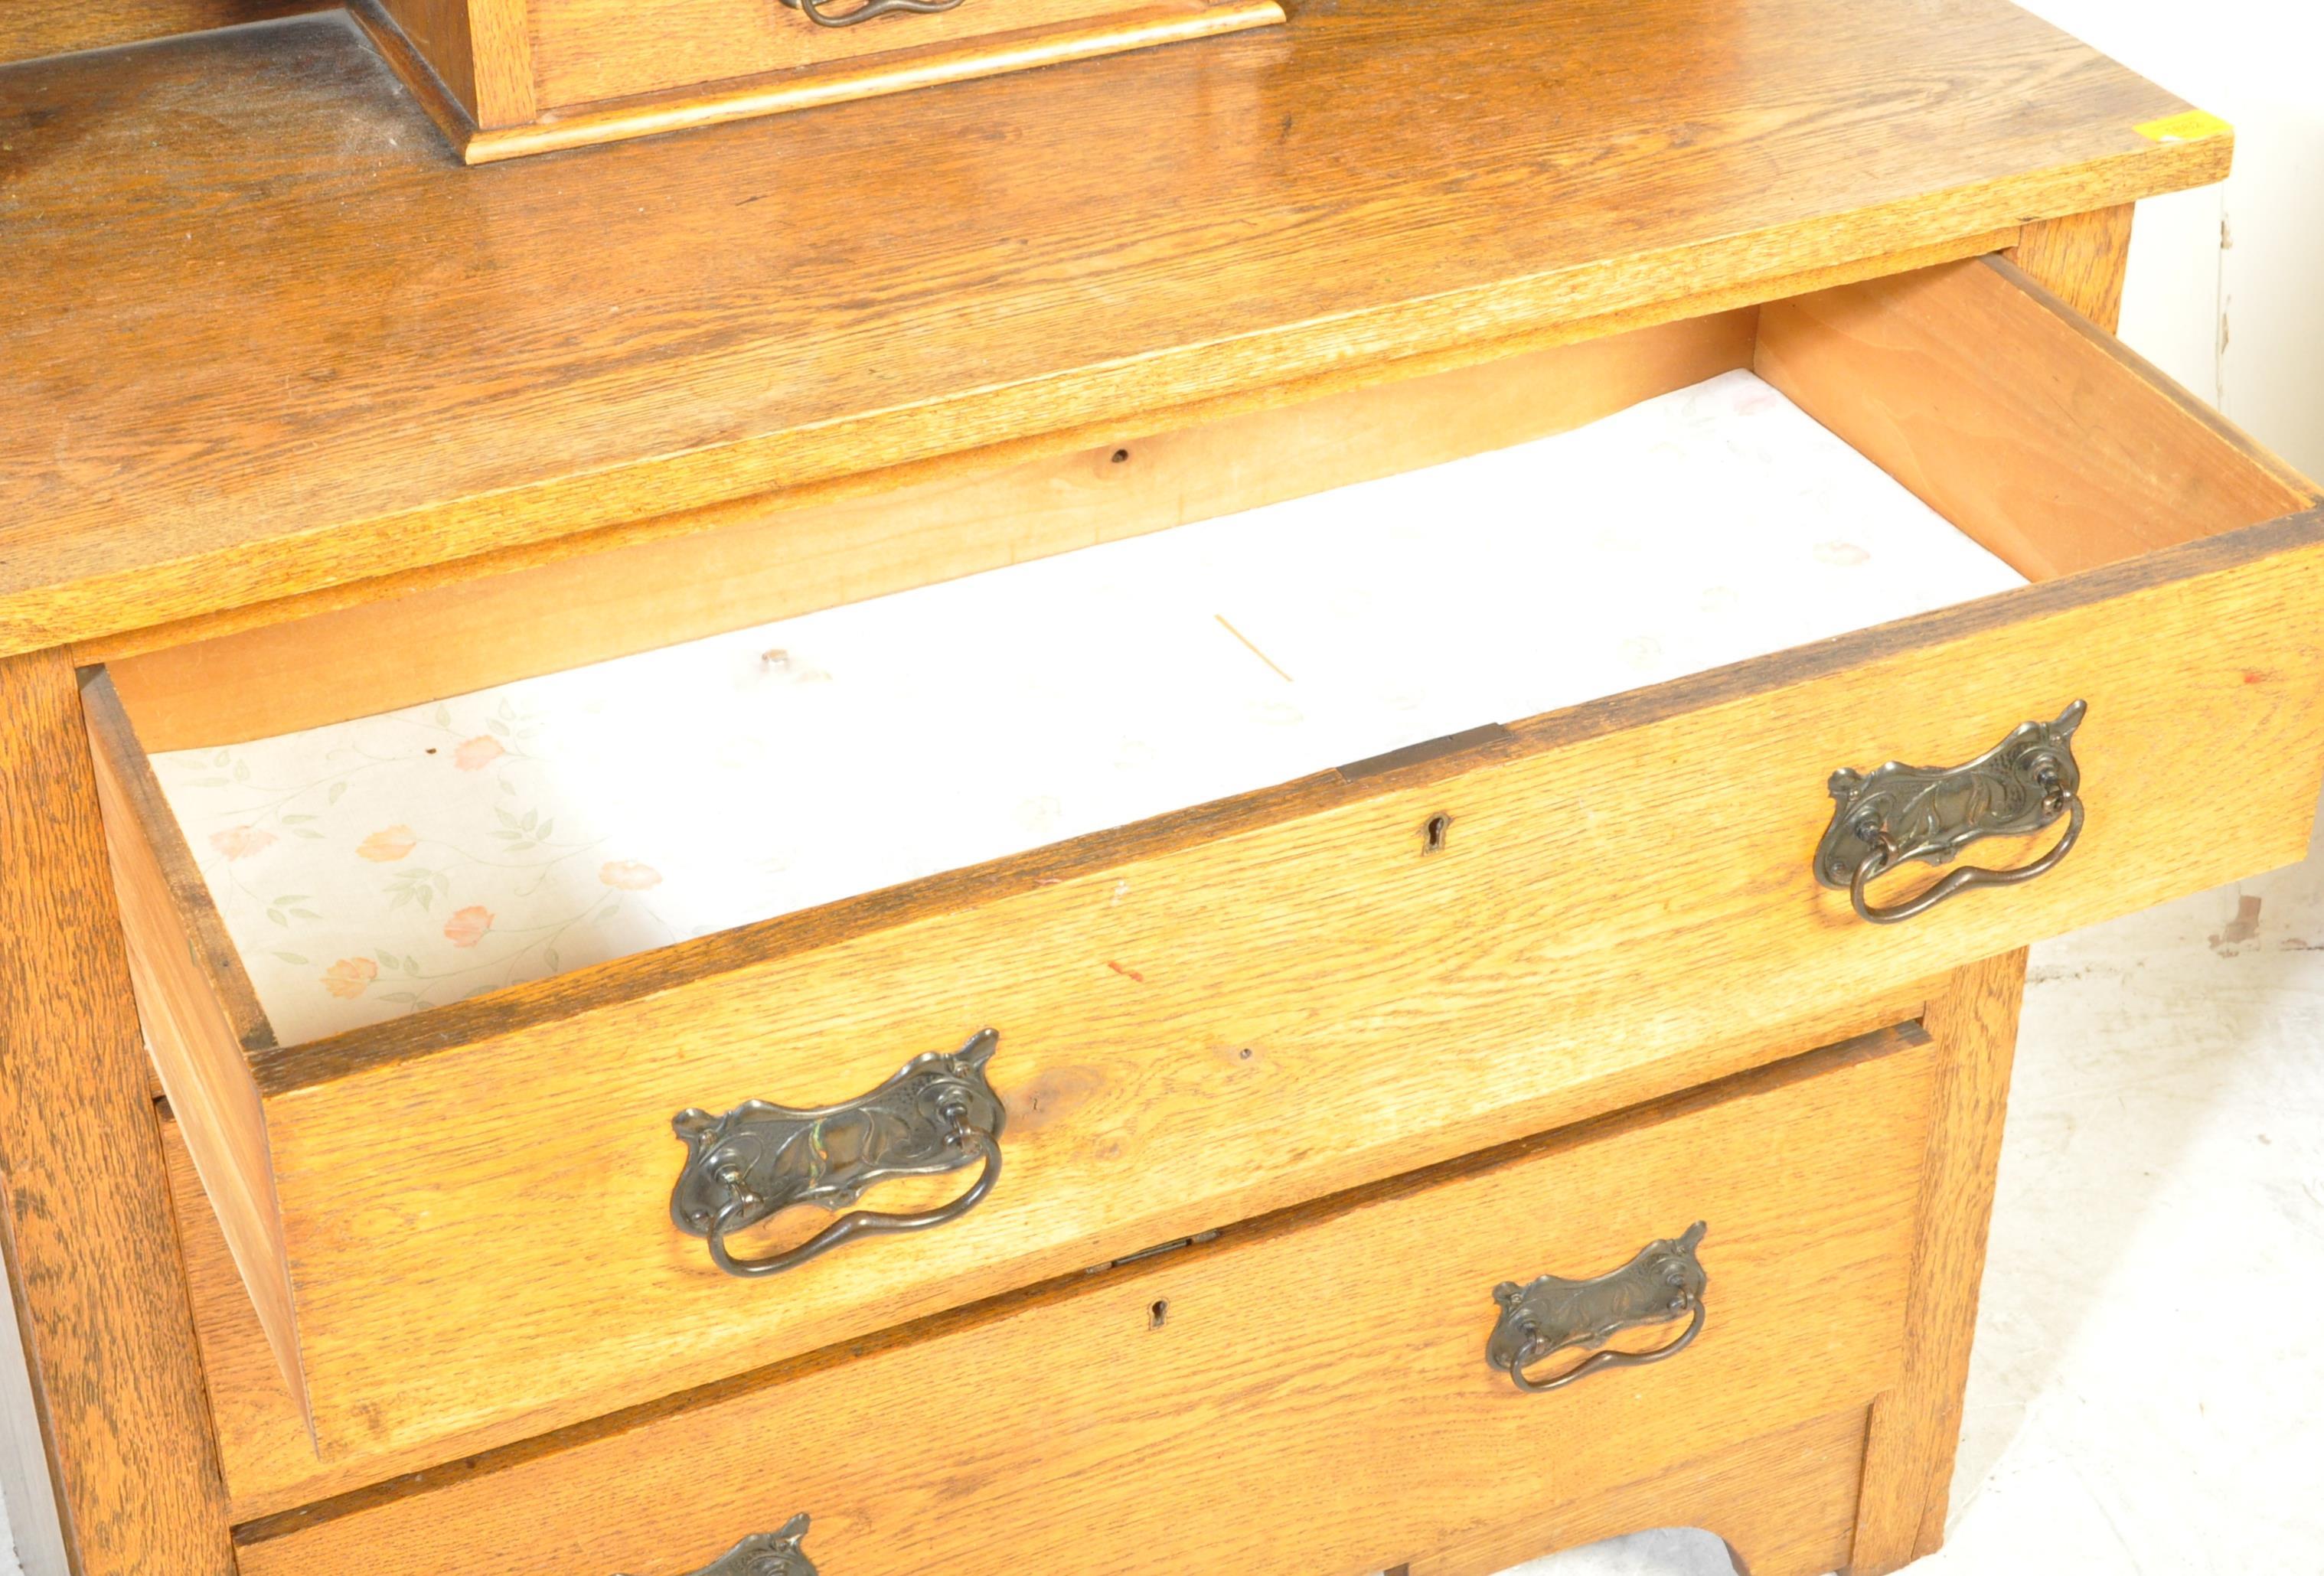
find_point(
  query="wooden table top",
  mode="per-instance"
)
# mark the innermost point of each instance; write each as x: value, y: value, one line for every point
x: 262, y: 334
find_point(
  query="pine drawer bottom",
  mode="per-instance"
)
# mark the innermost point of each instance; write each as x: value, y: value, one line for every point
x: 1306, y: 1395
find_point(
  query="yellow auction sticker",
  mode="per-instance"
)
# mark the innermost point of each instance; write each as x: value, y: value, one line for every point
x: 2193, y: 126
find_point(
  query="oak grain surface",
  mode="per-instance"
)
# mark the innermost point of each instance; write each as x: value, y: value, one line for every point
x: 194, y: 1001
x: 2082, y: 259
x: 440, y: 33
x: 501, y: 45
x: 305, y: 347
x: 270, y: 1464
x: 1329, y: 1367
x: 2044, y: 440
x: 1915, y: 1428
x: 84, y: 1210
x: 174, y: 909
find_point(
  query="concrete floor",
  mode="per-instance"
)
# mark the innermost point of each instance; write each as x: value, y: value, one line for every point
x: 2148, y: 1390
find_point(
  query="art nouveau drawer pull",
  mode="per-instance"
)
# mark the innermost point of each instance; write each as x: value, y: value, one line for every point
x: 1901, y: 812
x: 937, y: 1114
x: 766, y: 1553
x: 1664, y: 1282
x: 868, y: 10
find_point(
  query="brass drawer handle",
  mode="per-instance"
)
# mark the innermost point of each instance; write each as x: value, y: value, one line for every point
x: 868, y: 10
x: 1664, y: 1283
x: 937, y: 1114
x: 1930, y: 813
x: 766, y: 1553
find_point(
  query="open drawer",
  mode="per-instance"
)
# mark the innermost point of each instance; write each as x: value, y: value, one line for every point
x: 458, y: 1226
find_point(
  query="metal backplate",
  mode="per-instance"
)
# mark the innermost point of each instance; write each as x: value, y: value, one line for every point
x: 1930, y: 813
x: 1665, y: 1282
x: 938, y: 1113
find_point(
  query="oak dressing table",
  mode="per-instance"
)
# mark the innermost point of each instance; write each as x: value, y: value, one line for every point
x: 1565, y: 1124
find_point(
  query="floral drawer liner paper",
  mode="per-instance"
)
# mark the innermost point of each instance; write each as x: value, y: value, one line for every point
x: 413, y: 858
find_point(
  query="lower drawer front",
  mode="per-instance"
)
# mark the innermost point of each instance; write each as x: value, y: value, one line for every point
x: 1309, y: 1394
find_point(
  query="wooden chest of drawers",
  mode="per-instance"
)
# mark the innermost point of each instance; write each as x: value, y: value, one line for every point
x: 1214, y: 1184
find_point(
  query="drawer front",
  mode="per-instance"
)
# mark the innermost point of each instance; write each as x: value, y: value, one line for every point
x: 1305, y: 1394
x: 585, y: 50
x: 1229, y: 1026
x: 1252, y: 1003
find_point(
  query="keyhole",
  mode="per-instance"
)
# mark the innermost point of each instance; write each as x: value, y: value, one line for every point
x: 1158, y: 1314
x: 1433, y: 834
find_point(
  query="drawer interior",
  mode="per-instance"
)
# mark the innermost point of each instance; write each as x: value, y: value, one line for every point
x: 1964, y: 433
x: 367, y: 870
x: 1639, y: 510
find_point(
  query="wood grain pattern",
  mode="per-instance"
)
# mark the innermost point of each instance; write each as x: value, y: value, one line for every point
x: 174, y: 913
x: 194, y: 1002
x: 30, y: 29
x: 270, y: 1460
x: 2082, y: 260
x: 1916, y: 1427
x: 1402, y: 1029
x: 1337, y: 1356
x: 499, y: 41
x: 439, y: 35
x: 849, y: 76
x: 85, y: 1213
x: 463, y: 636
x: 707, y: 327
x: 2042, y: 438
x: 1786, y: 1505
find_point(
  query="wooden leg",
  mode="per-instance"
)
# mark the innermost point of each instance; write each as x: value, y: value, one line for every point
x: 85, y: 1217
x: 1916, y: 1429
x: 2081, y: 261
x: 1908, y: 1461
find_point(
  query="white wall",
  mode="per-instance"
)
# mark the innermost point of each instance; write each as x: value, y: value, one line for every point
x: 2227, y: 285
